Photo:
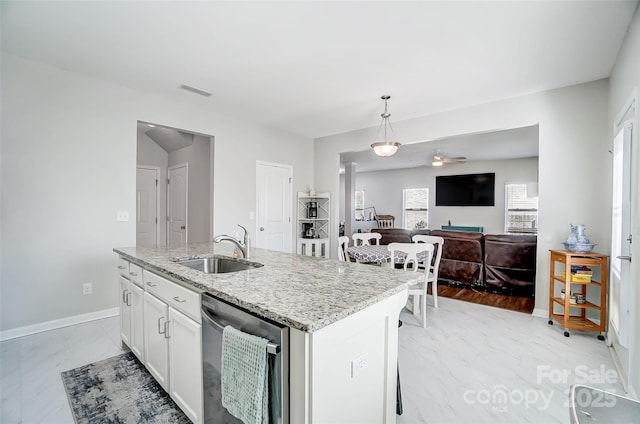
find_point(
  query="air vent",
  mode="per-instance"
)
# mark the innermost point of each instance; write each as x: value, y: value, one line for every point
x: 195, y: 90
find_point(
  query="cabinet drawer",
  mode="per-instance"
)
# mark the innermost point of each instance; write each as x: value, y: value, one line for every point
x: 176, y: 296
x: 135, y: 274
x: 123, y: 267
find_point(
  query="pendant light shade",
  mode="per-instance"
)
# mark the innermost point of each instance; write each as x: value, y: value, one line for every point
x: 386, y: 147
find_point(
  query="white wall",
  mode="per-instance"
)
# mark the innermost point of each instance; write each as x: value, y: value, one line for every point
x: 61, y: 189
x: 149, y: 153
x: 573, y: 136
x: 199, y: 187
x: 383, y: 189
x: 625, y: 79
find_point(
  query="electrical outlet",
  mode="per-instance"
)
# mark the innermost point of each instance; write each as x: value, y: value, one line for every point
x: 87, y: 288
x: 359, y: 364
x: 123, y: 216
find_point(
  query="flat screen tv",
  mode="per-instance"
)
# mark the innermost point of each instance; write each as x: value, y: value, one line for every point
x: 466, y: 190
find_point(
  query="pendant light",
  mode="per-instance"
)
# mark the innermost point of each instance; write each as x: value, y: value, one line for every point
x: 387, y: 147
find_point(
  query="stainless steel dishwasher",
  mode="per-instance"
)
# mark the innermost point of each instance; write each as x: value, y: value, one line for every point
x: 216, y: 314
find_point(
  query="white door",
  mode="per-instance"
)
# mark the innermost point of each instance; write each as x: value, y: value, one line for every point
x: 177, y: 200
x: 620, y: 291
x: 274, y: 206
x: 147, y: 206
x: 185, y: 351
x: 156, y: 314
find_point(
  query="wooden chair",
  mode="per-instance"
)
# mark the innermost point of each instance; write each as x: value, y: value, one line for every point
x: 343, y: 245
x: 363, y: 239
x: 435, y: 266
x: 418, y: 288
x: 386, y: 221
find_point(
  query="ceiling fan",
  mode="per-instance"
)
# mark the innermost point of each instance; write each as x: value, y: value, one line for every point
x: 439, y: 159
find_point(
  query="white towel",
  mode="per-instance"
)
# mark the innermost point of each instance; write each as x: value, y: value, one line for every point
x: 245, y: 389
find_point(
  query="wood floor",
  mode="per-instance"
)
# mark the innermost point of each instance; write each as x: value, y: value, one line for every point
x: 512, y: 303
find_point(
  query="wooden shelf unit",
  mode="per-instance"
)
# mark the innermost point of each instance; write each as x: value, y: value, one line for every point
x: 579, y: 320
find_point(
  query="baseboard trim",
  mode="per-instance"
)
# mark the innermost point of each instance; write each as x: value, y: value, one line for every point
x: 57, y: 323
x: 541, y: 313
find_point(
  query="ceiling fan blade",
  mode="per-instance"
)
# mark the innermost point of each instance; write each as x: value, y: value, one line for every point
x: 456, y: 159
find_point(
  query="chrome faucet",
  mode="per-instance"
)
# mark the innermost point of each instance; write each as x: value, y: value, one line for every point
x: 244, y: 246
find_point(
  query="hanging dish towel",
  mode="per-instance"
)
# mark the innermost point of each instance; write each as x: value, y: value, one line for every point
x: 244, y: 376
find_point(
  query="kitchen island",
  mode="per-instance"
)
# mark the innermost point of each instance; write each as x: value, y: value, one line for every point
x: 339, y: 314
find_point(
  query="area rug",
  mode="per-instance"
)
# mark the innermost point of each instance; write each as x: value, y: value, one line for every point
x: 119, y: 390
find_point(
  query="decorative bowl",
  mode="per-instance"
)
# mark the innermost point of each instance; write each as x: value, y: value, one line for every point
x: 579, y: 247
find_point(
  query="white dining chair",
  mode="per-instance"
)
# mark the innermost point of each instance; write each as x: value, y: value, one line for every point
x: 438, y: 243
x: 363, y: 239
x: 418, y: 287
x: 343, y: 245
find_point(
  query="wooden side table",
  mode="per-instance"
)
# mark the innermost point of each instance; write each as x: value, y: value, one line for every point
x: 574, y: 315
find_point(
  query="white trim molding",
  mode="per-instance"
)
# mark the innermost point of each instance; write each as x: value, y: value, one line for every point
x: 57, y: 323
x: 540, y: 312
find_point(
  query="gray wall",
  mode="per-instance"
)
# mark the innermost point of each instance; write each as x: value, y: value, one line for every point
x: 61, y: 189
x: 383, y: 189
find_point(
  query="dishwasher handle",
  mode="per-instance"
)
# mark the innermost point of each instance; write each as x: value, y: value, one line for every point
x: 272, y: 348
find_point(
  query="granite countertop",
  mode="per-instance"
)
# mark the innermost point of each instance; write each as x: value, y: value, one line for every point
x: 301, y: 292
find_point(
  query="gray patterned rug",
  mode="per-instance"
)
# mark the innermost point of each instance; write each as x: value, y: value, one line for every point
x: 119, y: 390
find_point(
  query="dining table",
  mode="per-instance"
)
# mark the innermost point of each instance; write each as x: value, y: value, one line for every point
x: 379, y: 254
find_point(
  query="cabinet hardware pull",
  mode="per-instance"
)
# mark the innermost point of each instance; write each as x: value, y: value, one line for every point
x: 150, y: 284
x: 159, y: 330
x: 133, y: 274
x: 166, y: 329
x: 624, y: 258
x: 177, y: 299
x: 120, y: 267
x: 128, y: 299
x: 124, y: 296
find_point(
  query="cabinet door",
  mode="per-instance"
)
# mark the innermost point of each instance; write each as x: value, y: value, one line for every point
x: 157, y: 345
x: 125, y: 311
x: 137, y: 325
x: 185, y: 351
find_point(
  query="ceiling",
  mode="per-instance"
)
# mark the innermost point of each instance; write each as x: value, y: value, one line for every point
x: 319, y: 68
x: 496, y: 145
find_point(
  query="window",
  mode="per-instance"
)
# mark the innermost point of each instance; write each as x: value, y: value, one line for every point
x: 416, y: 208
x: 359, y: 205
x: 521, y: 215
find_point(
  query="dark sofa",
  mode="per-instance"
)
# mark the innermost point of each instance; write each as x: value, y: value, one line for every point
x: 462, y: 257
x: 499, y: 263
x: 510, y: 263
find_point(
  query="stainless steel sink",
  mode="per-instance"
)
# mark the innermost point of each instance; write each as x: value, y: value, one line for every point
x: 218, y: 264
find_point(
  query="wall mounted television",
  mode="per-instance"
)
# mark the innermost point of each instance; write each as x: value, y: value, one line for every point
x: 466, y: 190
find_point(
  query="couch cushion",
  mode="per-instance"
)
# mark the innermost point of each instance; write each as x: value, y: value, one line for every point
x: 393, y: 235
x: 461, y: 245
x: 510, y: 263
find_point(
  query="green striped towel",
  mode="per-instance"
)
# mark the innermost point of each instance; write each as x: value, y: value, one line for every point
x: 245, y: 389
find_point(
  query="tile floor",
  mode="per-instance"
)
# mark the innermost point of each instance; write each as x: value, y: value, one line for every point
x: 472, y: 364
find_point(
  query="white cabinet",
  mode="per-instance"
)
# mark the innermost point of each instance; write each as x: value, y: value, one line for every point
x: 137, y: 321
x: 125, y: 310
x: 160, y: 322
x: 173, y: 336
x: 313, y: 224
x: 185, y: 353
x: 156, y: 317
x: 131, y: 307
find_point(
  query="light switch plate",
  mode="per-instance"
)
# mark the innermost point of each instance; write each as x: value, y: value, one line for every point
x: 123, y: 216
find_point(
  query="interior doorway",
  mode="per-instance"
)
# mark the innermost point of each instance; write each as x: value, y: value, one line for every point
x: 177, y: 204
x: 147, y: 206
x: 274, y: 206
x: 164, y: 147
